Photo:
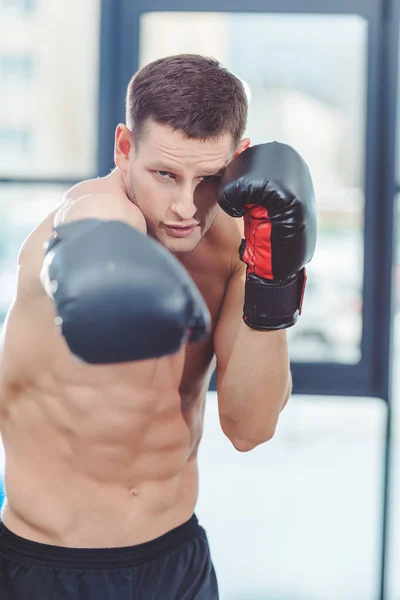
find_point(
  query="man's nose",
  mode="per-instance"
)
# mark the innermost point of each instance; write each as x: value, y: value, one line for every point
x: 184, y: 205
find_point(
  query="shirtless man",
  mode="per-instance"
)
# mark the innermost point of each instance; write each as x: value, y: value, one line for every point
x: 129, y: 295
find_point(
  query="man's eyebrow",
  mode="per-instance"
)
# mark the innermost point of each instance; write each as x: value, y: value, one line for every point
x: 164, y: 167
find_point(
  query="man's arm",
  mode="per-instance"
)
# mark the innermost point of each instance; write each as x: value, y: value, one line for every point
x: 270, y: 186
x: 119, y: 295
x: 253, y: 372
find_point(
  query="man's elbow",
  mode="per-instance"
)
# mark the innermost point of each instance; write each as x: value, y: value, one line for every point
x: 247, y: 436
x: 247, y: 443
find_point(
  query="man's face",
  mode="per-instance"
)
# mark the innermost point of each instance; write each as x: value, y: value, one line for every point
x: 174, y: 182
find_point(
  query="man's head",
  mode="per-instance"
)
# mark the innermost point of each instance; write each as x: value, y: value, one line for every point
x: 185, y: 118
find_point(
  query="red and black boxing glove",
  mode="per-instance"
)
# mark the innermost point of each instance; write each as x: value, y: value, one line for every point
x: 270, y: 186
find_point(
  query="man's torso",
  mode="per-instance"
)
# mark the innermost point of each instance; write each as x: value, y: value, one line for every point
x: 103, y: 455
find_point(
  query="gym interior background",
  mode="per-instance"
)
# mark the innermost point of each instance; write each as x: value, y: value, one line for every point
x: 311, y: 515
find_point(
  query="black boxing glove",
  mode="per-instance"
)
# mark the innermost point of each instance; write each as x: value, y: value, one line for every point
x: 120, y: 296
x: 270, y: 186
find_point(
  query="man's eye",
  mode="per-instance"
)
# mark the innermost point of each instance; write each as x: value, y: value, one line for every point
x: 165, y: 174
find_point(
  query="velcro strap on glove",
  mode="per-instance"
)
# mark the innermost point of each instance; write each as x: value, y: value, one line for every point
x: 271, y: 304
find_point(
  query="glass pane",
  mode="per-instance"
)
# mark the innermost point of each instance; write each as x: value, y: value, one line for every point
x: 21, y: 209
x: 48, y: 88
x: 302, y: 94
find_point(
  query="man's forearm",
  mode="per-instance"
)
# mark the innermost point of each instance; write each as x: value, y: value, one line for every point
x: 254, y: 387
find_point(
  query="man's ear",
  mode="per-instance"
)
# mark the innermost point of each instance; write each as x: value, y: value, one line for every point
x: 242, y: 146
x: 122, y: 147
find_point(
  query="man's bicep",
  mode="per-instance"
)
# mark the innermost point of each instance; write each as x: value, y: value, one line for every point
x: 230, y: 318
x: 107, y: 207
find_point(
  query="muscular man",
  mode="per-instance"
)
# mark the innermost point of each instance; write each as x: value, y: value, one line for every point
x: 129, y: 295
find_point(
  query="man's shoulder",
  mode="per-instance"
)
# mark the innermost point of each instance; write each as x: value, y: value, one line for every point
x: 86, y: 190
x: 101, y: 198
x: 95, y: 194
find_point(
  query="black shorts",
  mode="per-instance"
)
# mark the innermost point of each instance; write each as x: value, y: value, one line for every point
x: 175, y: 566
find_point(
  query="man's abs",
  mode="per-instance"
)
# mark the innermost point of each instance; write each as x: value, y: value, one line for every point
x: 96, y: 456
x: 93, y: 466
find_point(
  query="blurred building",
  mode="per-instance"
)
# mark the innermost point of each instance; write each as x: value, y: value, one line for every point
x: 48, y: 87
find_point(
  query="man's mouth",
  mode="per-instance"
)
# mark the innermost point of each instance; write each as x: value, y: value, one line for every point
x: 180, y: 231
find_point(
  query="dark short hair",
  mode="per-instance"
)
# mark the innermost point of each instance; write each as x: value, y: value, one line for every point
x: 190, y: 93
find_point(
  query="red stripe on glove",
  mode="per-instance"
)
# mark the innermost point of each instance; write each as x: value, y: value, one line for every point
x: 257, y: 231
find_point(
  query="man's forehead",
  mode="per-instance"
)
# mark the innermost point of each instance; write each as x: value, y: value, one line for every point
x: 164, y: 142
x: 206, y: 167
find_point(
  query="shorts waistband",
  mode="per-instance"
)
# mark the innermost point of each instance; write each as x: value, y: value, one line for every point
x: 20, y: 549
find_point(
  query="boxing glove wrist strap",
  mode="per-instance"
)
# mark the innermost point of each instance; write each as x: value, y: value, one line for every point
x: 273, y: 305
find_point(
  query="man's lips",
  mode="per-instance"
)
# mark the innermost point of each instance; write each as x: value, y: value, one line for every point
x: 180, y: 226
x: 179, y: 230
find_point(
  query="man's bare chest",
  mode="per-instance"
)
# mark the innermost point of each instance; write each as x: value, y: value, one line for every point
x: 211, y: 276
x: 211, y: 279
